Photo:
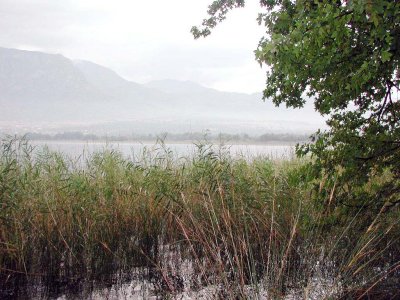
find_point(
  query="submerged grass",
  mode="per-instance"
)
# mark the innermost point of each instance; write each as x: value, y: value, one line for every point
x: 246, y: 227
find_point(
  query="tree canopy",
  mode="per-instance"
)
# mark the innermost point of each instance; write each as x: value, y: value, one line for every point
x: 345, y: 56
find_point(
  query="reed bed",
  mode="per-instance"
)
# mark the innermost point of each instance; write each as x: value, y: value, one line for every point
x: 245, y: 228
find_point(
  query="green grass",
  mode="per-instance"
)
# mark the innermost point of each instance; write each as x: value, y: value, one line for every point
x: 241, y: 222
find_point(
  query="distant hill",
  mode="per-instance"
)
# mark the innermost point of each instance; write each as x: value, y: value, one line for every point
x: 40, y: 90
x: 178, y: 87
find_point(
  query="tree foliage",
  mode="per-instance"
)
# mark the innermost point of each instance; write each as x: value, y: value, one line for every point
x: 345, y: 56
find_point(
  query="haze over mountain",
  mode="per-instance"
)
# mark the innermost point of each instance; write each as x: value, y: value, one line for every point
x: 50, y: 91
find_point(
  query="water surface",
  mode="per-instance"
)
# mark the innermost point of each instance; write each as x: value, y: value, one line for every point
x: 75, y: 149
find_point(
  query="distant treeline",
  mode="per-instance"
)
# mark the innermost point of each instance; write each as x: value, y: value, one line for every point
x: 180, y: 137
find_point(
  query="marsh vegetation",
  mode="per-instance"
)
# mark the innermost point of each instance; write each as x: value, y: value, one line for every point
x: 241, y: 226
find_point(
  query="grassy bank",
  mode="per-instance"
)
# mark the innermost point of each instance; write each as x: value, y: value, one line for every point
x: 239, y: 223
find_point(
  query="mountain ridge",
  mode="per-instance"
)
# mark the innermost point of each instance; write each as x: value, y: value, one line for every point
x: 43, y: 87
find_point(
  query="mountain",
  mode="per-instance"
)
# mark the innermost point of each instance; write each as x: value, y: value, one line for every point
x: 131, y: 99
x: 41, y: 90
x: 177, y: 87
x: 26, y: 75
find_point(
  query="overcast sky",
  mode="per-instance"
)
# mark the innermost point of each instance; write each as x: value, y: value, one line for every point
x: 141, y: 40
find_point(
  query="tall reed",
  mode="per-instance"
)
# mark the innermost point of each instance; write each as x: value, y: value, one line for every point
x: 244, y: 227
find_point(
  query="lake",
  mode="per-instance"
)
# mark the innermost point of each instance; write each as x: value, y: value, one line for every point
x: 75, y: 149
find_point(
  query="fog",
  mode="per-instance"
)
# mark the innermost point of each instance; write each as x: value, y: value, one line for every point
x: 140, y: 40
x: 132, y: 67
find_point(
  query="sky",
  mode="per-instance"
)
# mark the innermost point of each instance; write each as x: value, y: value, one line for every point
x: 141, y: 40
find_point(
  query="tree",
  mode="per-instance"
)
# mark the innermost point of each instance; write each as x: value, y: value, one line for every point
x: 345, y: 56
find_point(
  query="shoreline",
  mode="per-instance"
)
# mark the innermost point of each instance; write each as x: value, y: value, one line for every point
x: 168, y: 142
